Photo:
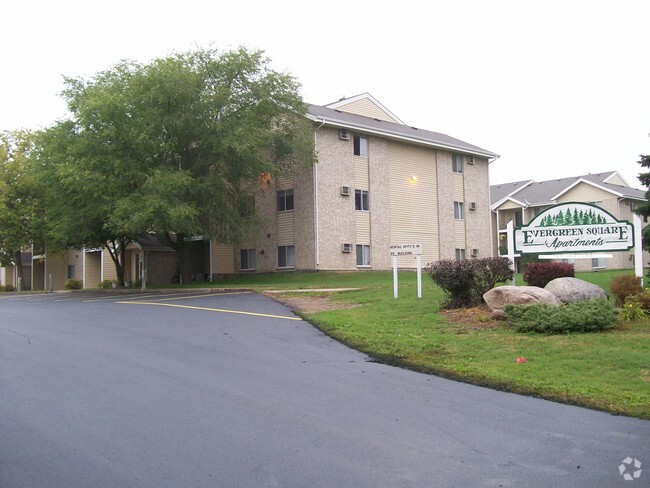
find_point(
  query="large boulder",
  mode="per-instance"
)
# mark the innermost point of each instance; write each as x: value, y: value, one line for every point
x: 499, y: 297
x: 572, y: 290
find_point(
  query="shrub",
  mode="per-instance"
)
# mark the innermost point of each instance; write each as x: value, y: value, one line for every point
x: 581, y: 316
x: 72, y: 284
x: 7, y: 288
x: 644, y: 299
x: 632, y: 309
x: 625, y: 285
x: 464, y: 282
x: 105, y: 284
x: 490, y: 271
x: 540, y: 274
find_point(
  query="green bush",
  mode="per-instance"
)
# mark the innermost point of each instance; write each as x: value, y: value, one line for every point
x: 105, y: 284
x: 72, y: 284
x: 464, y: 282
x: 624, y: 286
x: 581, y: 316
x: 7, y: 288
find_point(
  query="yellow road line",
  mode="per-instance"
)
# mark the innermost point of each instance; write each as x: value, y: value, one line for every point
x: 205, y: 294
x: 137, y: 297
x: 212, y: 310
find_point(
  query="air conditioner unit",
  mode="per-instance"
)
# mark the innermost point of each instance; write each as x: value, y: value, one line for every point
x: 470, y: 159
x: 344, y: 135
x: 345, y: 190
x: 472, y: 205
x: 346, y: 247
x: 474, y: 253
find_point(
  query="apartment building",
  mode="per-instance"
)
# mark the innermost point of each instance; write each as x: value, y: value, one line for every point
x: 521, y: 201
x: 377, y: 182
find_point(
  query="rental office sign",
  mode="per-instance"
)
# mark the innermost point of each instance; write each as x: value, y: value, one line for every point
x: 574, y: 227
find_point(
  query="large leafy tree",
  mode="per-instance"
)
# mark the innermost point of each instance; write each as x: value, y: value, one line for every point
x: 175, y: 146
x: 19, y: 209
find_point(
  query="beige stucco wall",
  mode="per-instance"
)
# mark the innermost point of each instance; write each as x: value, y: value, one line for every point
x: 336, y: 214
x: 379, y: 184
x: 446, y: 206
x: 477, y: 222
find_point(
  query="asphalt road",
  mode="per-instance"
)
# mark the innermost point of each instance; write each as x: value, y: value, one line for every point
x: 113, y: 393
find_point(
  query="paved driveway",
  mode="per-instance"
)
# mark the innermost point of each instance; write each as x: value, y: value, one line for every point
x: 184, y: 390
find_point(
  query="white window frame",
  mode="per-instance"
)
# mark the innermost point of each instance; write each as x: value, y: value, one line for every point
x: 250, y: 259
x: 459, y: 210
x: 360, y: 146
x: 362, y: 200
x: 282, y: 197
x: 288, y: 255
x: 457, y: 163
x: 363, y: 255
x: 461, y: 255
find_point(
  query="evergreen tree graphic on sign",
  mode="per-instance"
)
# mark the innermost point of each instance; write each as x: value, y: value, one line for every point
x: 572, y: 217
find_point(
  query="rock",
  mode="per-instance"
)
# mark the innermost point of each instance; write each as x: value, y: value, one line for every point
x: 498, y: 314
x: 569, y: 290
x: 500, y: 296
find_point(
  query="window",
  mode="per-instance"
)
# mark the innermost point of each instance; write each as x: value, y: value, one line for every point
x: 519, y: 217
x: 597, y: 263
x: 285, y: 200
x: 457, y: 163
x: 361, y: 146
x: 363, y: 255
x: 361, y: 200
x: 70, y: 271
x: 286, y: 256
x: 247, y: 259
x: 460, y: 254
x: 459, y: 210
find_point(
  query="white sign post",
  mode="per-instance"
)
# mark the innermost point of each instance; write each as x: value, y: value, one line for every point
x: 407, y: 250
x: 638, y: 247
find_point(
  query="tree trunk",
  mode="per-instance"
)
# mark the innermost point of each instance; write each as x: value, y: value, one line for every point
x: 117, y: 251
x: 178, y: 245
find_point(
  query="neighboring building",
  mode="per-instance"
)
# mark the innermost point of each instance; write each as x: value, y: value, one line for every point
x: 521, y: 201
x: 377, y: 182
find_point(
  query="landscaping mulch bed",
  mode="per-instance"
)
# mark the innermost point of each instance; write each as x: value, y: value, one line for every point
x: 476, y: 317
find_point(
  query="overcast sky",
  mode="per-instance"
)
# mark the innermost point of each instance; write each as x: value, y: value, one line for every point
x: 557, y: 88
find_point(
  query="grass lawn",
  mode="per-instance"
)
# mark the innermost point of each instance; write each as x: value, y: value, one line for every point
x: 607, y: 370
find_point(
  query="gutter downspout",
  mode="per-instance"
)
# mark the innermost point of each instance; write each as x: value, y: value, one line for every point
x: 316, y: 205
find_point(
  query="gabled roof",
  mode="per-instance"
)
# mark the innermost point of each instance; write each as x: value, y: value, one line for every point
x: 537, y: 193
x: 499, y: 193
x: 364, y: 96
x: 334, y: 117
